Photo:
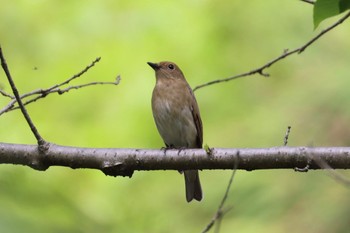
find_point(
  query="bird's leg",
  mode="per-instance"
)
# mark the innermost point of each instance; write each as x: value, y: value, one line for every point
x: 178, y: 153
x: 181, y: 149
x: 167, y: 147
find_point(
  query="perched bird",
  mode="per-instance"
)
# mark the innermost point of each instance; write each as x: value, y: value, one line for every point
x: 176, y: 114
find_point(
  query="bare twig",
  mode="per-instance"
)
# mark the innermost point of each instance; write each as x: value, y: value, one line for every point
x: 41, y: 141
x: 287, y: 136
x: 308, y: 1
x: 76, y: 75
x: 61, y: 91
x: 336, y: 175
x: 340, y: 21
x: 285, y: 54
x: 6, y: 94
x: 42, y: 93
x: 218, y: 225
x: 220, y: 212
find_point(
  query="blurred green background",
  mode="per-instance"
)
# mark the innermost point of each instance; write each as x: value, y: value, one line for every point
x: 46, y: 42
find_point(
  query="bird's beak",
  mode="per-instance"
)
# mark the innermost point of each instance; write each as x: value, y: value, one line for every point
x: 155, y: 66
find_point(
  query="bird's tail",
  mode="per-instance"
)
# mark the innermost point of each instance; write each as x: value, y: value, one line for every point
x: 193, y: 185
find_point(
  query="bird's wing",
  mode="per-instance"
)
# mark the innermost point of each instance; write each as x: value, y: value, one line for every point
x: 197, y: 120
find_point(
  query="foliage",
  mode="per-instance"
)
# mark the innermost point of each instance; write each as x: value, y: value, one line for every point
x: 324, y: 9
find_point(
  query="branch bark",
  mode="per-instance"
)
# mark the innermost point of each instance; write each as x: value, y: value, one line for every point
x: 123, y: 162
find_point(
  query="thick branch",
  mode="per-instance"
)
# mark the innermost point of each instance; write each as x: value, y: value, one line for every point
x: 123, y: 162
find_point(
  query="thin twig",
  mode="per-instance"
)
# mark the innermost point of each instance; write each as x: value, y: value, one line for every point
x: 42, y: 93
x: 218, y: 225
x: 287, y: 136
x: 40, y: 140
x: 340, y: 21
x: 285, y: 54
x: 308, y: 1
x: 62, y: 91
x: 6, y: 94
x: 220, y: 213
x: 336, y: 175
x: 76, y: 75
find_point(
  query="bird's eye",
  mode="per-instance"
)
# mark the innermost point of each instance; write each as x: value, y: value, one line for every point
x: 171, y: 66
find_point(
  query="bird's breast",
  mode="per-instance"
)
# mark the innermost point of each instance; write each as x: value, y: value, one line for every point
x: 173, y: 118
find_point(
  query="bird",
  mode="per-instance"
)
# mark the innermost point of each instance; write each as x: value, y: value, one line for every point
x: 176, y: 114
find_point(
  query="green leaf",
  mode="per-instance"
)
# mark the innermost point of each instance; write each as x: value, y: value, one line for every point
x: 324, y: 9
x: 207, y: 149
x: 344, y: 5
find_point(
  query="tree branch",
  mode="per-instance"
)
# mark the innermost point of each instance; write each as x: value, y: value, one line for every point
x: 40, y: 140
x: 285, y: 142
x: 6, y: 94
x: 308, y: 1
x: 285, y: 54
x: 219, y: 214
x: 334, y: 174
x: 57, y: 88
x: 123, y: 162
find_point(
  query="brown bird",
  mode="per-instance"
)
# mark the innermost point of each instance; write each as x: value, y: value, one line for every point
x: 176, y: 113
